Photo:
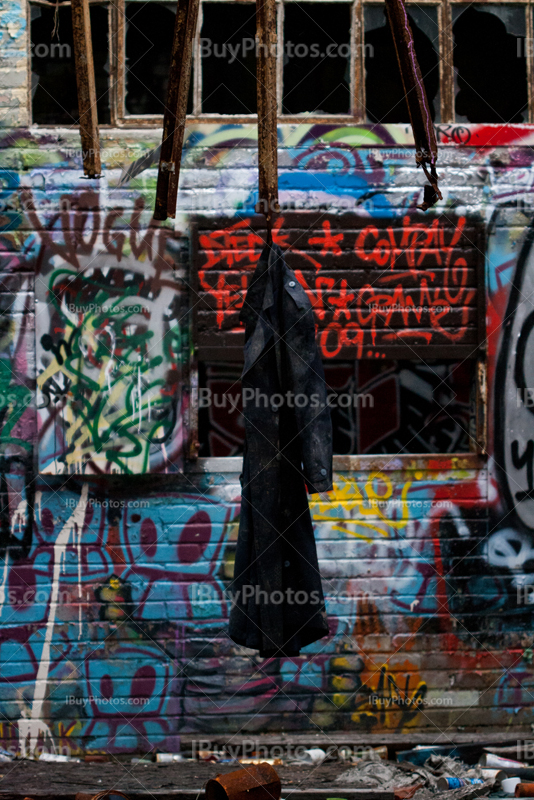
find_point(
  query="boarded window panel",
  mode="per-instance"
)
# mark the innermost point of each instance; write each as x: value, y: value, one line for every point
x: 395, y: 407
x: 149, y: 32
x: 409, y: 288
x: 490, y: 63
x: 228, y: 58
x: 112, y: 338
x: 384, y: 94
x: 54, y: 93
x: 316, y: 58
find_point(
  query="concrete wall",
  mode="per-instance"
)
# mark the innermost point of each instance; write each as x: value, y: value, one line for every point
x: 113, y: 612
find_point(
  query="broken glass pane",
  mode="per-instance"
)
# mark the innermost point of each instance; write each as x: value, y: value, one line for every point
x: 149, y: 35
x: 316, y: 58
x: 490, y: 71
x: 384, y: 93
x: 54, y: 92
x: 377, y: 407
x: 228, y: 53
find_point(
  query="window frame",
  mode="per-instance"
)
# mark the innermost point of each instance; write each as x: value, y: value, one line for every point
x: 117, y: 74
x: 477, y: 354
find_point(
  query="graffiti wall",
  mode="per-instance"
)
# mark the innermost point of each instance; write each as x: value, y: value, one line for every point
x: 116, y: 550
x: 111, y: 341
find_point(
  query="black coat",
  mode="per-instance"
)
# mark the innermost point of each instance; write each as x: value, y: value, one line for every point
x: 288, y: 446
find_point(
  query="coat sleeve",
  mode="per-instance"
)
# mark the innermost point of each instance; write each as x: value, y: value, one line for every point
x: 309, y: 390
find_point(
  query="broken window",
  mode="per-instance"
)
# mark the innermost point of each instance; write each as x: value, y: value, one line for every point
x: 334, y: 58
x: 228, y: 57
x: 54, y: 92
x: 149, y: 33
x: 383, y: 407
x: 384, y: 95
x: 316, y: 58
x: 490, y: 69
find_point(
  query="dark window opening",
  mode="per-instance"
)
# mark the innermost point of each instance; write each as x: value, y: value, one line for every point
x: 378, y: 407
x: 490, y: 63
x: 384, y: 93
x: 149, y: 35
x: 228, y: 55
x: 316, y: 58
x: 54, y: 91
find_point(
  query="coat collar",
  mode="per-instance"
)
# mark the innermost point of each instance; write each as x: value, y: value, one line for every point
x: 271, y: 273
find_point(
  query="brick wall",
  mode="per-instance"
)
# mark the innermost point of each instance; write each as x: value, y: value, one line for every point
x: 112, y: 584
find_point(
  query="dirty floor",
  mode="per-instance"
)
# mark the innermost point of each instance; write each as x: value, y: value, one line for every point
x: 35, y: 777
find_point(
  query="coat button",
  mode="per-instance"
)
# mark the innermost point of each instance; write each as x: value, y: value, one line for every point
x: 291, y: 283
x: 286, y: 563
x: 323, y: 471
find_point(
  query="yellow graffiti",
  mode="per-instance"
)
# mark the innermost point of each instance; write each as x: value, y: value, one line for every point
x: 367, y: 503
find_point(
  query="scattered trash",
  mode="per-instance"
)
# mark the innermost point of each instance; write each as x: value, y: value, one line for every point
x: 140, y: 761
x: 384, y: 775
x: 446, y: 783
x: 525, y: 773
x: 498, y: 762
x: 168, y: 758
x: 259, y: 782
x: 496, y: 775
x: 314, y: 756
x: 272, y: 761
x: 418, y: 755
x: 406, y: 792
x: 362, y: 754
x: 467, y: 753
x: 57, y: 758
x: 210, y: 755
x: 96, y: 758
x: 509, y: 785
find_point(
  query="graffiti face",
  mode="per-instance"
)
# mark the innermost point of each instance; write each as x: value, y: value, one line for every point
x: 111, y: 348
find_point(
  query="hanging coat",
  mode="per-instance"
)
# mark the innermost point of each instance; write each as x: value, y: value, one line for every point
x: 278, y: 603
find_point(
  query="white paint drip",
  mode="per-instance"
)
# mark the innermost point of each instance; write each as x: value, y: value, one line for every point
x: 37, y: 504
x: 4, y: 579
x: 35, y: 725
x: 139, y: 398
x: 19, y: 517
x: 79, y: 549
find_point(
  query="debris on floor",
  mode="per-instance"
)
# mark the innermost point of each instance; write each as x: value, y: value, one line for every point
x: 449, y: 777
x: 420, y: 774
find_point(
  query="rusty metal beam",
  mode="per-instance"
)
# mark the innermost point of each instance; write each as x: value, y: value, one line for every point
x: 85, y: 79
x: 426, y: 146
x: 176, y: 108
x: 266, y: 42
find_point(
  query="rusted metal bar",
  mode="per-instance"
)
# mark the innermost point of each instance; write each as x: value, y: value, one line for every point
x: 176, y: 108
x: 256, y: 782
x: 85, y: 79
x: 266, y: 40
x: 446, y: 72
x: 171, y: 111
x: 424, y: 135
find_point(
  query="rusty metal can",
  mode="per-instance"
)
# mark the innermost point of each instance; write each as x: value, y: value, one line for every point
x: 256, y: 782
x: 524, y: 790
